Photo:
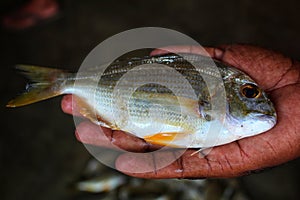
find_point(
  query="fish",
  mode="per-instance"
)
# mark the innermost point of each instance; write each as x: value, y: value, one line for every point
x: 181, y: 101
x: 101, y: 184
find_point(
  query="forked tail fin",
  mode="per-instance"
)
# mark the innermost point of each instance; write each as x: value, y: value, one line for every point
x: 44, y: 84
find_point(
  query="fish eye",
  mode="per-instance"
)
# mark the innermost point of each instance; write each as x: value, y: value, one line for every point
x: 250, y: 91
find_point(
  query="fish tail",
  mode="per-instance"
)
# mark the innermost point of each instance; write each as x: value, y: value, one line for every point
x: 44, y: 83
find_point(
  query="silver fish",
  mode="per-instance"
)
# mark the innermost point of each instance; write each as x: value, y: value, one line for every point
x: 143, y: 104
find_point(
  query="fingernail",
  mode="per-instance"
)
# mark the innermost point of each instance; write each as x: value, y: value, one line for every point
x: 218, y: 53
x: 66, y: 104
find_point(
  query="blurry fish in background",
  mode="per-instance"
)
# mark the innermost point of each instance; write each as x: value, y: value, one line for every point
x: 101, y: 184
x: 111, y: 185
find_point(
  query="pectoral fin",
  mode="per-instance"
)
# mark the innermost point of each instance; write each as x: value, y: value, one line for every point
x: 190, y: 106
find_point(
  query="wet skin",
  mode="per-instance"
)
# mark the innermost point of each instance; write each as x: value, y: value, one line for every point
x: 278, y: 75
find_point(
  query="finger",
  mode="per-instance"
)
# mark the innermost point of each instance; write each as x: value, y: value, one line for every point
x: 206, y: 51
x: 151, y: 165
x: 69, y: 106
x: 66, y: 104
x: 221, y: 162
x: 266, y: 67
x: 89, y: 133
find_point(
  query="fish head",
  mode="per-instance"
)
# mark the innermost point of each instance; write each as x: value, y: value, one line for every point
x: 249, y: 110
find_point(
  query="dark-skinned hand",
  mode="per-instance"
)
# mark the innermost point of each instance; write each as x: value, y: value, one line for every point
x: 278, y: 75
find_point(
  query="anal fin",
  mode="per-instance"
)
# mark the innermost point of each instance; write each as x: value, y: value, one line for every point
x: 164, y: 138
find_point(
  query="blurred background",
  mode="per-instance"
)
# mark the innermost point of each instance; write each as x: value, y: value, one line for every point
x: 40, y: 157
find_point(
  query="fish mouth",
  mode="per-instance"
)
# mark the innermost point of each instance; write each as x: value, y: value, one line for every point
x: 271, y: 118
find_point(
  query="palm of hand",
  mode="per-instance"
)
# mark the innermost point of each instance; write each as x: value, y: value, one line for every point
x: 276, y: 74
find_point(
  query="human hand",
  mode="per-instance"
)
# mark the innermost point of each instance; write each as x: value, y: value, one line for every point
x: 278, y: 75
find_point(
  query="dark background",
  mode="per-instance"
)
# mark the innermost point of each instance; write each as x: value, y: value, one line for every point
x: 40, y: 157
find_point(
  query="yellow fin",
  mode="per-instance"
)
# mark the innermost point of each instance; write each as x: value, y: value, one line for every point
x: 164, y: 138
x: 44, y: 83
